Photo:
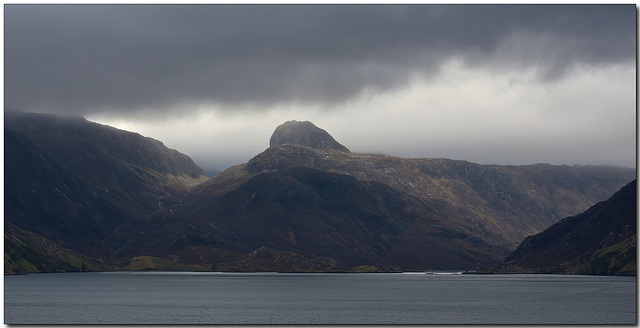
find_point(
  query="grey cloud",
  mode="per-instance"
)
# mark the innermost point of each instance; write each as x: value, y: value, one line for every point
x: 84, y: 58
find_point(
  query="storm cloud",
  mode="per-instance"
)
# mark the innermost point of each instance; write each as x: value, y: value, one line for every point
x: 122, y: 59
x: 504, y: 84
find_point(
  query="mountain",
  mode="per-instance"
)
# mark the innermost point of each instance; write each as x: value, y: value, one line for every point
x: 305, y: 134
x: 316, y: 214
x: 107, y: 197
x: 374, y: 210
x: 73, y: 182
x: 62, y: 132
x: 601, y: 240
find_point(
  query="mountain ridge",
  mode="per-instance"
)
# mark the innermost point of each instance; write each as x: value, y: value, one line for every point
x: 127, y: 146
x: 490, y: 201
x: 129, y: 201
x: 438, y: 178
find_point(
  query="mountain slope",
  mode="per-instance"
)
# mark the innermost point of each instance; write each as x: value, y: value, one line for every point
x: 601, y: 240
x: 26, y: 252
x: 74, y: 181
x: 307, y: 203
x: 316, y: 214
x: 70, y: 136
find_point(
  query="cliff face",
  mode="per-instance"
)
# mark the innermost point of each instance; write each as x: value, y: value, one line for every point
x: 601, y: 240
x: 111, y: 197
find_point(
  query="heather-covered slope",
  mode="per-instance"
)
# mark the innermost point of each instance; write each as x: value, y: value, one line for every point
x: 602, y: 240
x: 27, y: 252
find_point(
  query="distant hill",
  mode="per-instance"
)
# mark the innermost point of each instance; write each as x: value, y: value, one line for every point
x: 92, y: 196
x: 601, y: 240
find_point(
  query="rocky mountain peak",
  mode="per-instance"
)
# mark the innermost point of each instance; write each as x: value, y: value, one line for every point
x: 304, y: 133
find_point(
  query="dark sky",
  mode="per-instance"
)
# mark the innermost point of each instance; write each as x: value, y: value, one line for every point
x: 257, y: 65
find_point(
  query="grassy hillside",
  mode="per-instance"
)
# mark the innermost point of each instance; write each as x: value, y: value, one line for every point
x: 27, y: 252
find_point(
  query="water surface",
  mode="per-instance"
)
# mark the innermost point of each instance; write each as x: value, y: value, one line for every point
x: 270, y: 298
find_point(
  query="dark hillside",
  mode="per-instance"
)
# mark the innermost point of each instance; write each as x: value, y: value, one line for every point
x: 602, y: 240
x: 75, y: 182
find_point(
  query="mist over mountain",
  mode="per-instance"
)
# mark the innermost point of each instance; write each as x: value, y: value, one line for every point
x: 95, y: 197
x: 125, y: 146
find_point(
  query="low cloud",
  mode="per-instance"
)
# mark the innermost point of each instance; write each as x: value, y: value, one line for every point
x: 469, y: 114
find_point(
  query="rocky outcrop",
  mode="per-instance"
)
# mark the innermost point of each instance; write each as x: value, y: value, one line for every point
x: 305, y: 134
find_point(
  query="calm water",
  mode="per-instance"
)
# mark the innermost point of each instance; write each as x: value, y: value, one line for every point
x: 216, y: 298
